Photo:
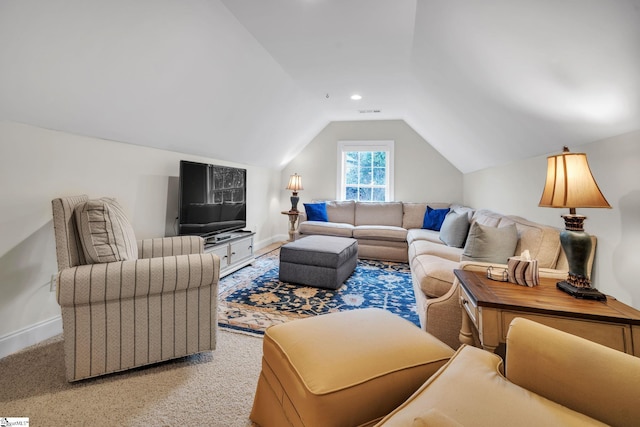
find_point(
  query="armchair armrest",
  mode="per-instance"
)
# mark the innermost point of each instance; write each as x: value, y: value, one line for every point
x: 97, y: 283
x: 579, y: 374
x: 167, y: 246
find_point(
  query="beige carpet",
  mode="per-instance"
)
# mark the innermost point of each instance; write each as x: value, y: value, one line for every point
x: 211, y: 389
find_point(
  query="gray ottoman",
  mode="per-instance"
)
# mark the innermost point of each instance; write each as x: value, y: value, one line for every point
x: 320, y: 261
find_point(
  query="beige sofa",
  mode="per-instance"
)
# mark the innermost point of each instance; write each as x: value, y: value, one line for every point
x: 380, y: 228
x: 432, y: 264
x: 393, y: 231
x: 551, y: 378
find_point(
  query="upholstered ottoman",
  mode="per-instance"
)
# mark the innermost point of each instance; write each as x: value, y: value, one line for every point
x: 320, y: 261
x: 342, y: 369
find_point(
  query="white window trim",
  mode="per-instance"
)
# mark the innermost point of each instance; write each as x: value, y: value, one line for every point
x: 346, y: 146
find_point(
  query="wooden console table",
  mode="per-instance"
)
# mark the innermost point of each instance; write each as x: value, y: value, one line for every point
x: 490, y: 306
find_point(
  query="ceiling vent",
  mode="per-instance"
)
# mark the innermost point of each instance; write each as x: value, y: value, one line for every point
x: 368, y: 111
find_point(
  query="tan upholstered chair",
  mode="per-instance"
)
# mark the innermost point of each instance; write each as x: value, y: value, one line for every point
x: 552, y: 378
x: 159, y: 303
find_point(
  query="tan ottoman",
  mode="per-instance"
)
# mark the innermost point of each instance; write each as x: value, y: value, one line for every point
x: 342, y: 369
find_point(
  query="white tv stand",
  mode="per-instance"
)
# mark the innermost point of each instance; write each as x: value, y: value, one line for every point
x: 235, y: 250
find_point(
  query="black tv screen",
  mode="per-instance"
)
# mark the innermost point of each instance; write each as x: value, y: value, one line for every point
x: 212, y: 199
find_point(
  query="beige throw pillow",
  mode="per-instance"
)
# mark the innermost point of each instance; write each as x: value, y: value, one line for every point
x: 105, y: 233
x: 454, y: 229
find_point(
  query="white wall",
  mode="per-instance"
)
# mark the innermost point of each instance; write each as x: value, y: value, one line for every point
x: 181, y: 75
x: 421, y: 173
x: 615, y: 163
x: 38, y: 165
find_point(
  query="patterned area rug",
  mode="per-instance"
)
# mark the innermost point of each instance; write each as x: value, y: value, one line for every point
x: 253, y: 298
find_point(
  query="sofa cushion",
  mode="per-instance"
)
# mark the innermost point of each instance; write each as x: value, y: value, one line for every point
x: 455, y: 228
x: 415, y: 234
x: 341, y: 211
x: 433, y: 218
x: 413, y: 214
x: 487, y: 217
x: 326, y: 228
x: 380, y: 232
x: 434, y: 274
x: 542, y: 241
x: 463, y: 209
x: 490, y: 244
x: 316, y: 211
x: 105, y: 233
x: 471, y: 391
x: 425, y: 247
x: 383, y: 213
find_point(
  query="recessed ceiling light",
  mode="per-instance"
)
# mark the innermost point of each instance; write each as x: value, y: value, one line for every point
x: 356, y: 97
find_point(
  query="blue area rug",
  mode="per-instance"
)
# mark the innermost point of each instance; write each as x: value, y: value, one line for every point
x: 253, y: 298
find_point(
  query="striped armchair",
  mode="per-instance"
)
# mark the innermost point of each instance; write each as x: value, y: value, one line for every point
x: 159, y: 305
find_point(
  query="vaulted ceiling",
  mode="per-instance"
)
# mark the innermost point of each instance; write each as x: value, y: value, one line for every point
x: 253, y: 81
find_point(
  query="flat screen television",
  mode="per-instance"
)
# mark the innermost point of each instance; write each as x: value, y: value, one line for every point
x: 212, y: 199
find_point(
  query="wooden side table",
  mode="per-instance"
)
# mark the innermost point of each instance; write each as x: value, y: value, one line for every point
x: 490, y: 306
x: 293, y: 218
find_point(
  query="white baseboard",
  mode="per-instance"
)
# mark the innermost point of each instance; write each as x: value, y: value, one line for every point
x: 30, y: 335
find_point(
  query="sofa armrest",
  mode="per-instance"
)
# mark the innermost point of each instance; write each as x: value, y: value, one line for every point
x: 444, y: 317
x: 579, y: 374
x: 302, y: 217
x: 168, y: 246
x: 97, y: 283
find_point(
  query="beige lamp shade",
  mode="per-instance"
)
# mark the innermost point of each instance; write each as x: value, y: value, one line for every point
x: 570, y: 183
x: 295, y: 183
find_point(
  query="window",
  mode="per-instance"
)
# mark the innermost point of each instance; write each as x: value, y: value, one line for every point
x: 365, y: 171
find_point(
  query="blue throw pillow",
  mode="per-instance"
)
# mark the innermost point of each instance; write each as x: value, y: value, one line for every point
x: 316, y: 211
x: 433, y: 218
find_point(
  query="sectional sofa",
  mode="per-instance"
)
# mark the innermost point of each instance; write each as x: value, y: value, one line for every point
x: 381, y: 229
x: 467, y: 238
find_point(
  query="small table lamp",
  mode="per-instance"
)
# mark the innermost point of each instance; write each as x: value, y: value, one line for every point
x: 570, y: 184
x: 295, y: 184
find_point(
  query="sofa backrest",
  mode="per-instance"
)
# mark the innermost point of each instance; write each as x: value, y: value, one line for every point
x: 379, y: 213
x: 413, y: 212
x: 542, y: 241
x: 341, y: 211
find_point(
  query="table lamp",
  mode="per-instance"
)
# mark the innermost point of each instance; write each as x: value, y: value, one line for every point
x: 570, y: 184
x: 295, y: 184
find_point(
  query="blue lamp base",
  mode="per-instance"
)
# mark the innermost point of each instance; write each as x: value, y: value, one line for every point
x: 294, y: 202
